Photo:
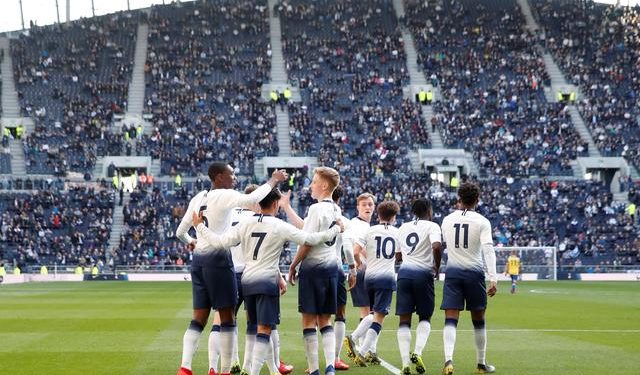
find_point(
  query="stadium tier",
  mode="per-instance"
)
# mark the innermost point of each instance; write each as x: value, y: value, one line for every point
x: 207, y: 63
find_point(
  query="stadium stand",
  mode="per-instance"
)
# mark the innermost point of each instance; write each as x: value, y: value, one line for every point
x: 62, y: 227
x: 72, y: 79
x: 207, y: 63
x: 206, y: 66
x: 491, y: 77
x: 598, y: 48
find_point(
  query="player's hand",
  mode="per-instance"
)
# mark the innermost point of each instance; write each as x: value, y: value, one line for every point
x: 285, y: 200
x: 340, y: 224
x: 292, y: 275
x: 282, y: 285
x: 352, y: 280
x: 280, y: 175
x: 493, y: 289
x: 197, y: 219
x: 191, y: 245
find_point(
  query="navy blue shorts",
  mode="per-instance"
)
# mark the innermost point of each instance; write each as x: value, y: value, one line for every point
x: 415, y: 295
x: 359, y: 295
x: 213, y: 287
x: 342, y: 288
x: 263, y: 309
x: 380, y: 300
x: 470, y: 290
x: 240, y: 293
x: 317, y: 295
x: 514, y: 278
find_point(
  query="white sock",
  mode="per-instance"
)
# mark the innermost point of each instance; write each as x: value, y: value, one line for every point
x: 370, y: 338
x: 340, y: 327
x: 449, y: 338
x: 214, y: 347
x: 374, y: 346
x: 271, y: 363
x: 480, y: 336
x: 259, y: 353
x: 329, y: 348
x: 362, y: 328
x: 190, y: 343
x: 249, y: 343
x: 234, y: 351
x: 275, y: 340
x: 404, y: 342
x: 227, y: 334
x: 422, y: 335
x: 311, y: 348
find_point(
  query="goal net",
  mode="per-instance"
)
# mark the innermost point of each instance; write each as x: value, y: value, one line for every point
x: 536, y: 263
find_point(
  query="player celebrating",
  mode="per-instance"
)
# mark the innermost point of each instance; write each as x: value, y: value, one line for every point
x: 379, y: 244
x: 513, y: 269
x: 212, y: 274
x: 262, y: 238
x: 317, y: 293
x: 420, y: 242
x: 467, y: 236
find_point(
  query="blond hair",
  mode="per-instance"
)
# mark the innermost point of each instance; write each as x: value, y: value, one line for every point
x: 329, y: 175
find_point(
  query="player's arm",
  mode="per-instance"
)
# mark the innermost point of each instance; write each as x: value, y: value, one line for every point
x: 347, y: 249
x: 436, y: 247
x: 489, y: 253
x: 311, y: 225
x: 292, y: 215
x: 301, y: 237
x: 216, y: 242
x: 182, y: 233
x: 360, y: 251
x: 237, y: 199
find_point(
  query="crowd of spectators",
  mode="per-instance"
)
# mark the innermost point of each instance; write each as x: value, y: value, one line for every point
x: 492, y: 77
x: 598, y: 48
x: 62, y: 227
x: 206, y: 64
x: 348, y: 60
x: 72, y: 79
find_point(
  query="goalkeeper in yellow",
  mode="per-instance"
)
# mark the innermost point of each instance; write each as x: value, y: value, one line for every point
x: 513, y: 269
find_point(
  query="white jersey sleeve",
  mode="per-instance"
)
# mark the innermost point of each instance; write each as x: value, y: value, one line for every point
x: 416, y: 240
x: 182, y: 233
x: 465, y: 233
x: 238, y: 214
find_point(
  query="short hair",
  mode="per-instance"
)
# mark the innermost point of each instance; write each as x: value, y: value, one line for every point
x: 421, y: 207
x: 274, y: 195
x: 330, y: 175
x: 250, y: 188
x: 364, y: 196
x: 216, y: 168
x: 388, y: 209
x: 338, y: 193
x: 469, y: 193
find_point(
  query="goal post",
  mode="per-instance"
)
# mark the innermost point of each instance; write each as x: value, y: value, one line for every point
x: 536, y: 262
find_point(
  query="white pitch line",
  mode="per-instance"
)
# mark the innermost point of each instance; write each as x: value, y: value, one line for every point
x: 544, y: 330
x: 392, y: 369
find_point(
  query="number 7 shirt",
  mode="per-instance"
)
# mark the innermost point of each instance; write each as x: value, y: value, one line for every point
x: 261, y: 238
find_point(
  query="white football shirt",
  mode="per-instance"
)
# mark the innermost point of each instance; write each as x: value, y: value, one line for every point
x: 321, y: 261
x: 261, y: 238
x: 465, y: 233
x: 380, y: 243
x: 236, y: 251
x: 416, y: 238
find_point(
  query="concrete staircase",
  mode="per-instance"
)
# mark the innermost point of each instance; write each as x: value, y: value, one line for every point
x: 279, y: 79
x: 531, y: 23
x: 10, y: 103
x: 135, y: 101
x: 427, y: 115
x: 584, y: 132
x: 118, y: 225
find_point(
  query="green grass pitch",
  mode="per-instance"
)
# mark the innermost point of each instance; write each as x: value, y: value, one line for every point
x: 137, y: 328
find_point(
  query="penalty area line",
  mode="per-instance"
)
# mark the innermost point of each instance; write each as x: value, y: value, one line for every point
x: 392, y: 369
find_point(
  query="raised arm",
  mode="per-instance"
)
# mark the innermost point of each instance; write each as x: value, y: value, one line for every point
x: 292, y: 215
x: 237, y: 199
